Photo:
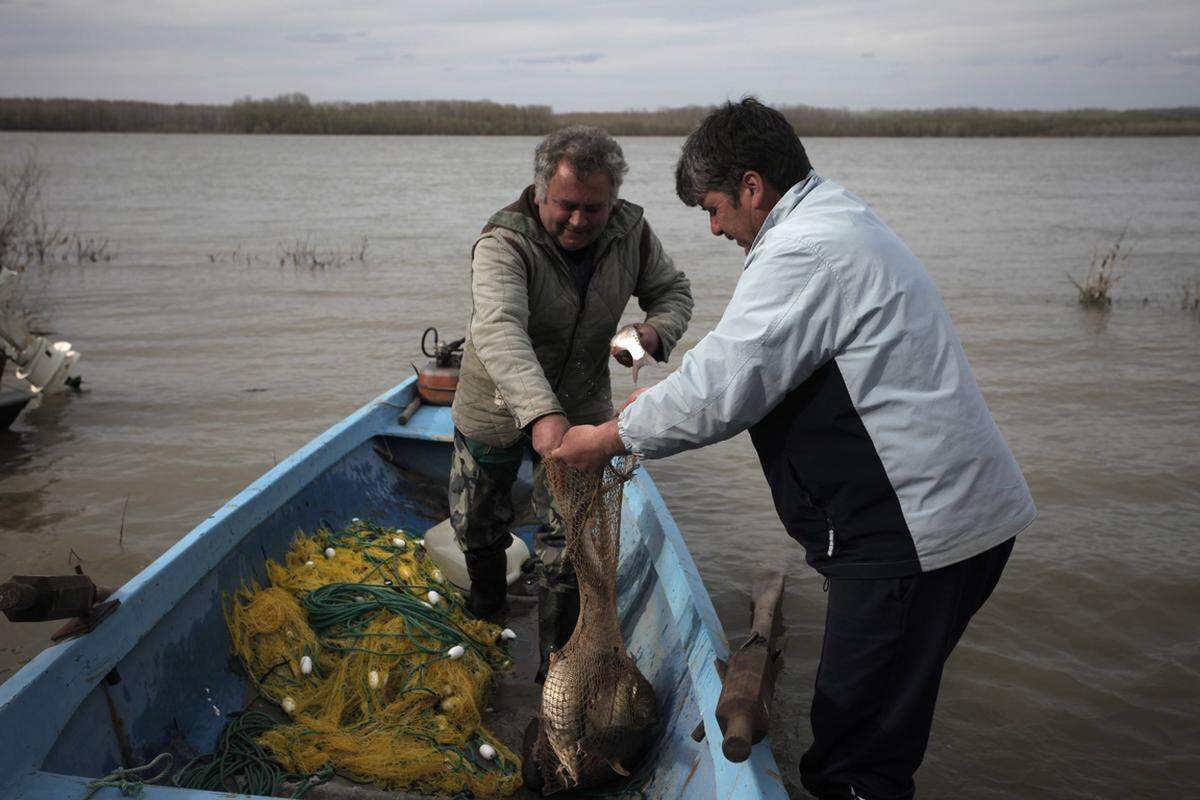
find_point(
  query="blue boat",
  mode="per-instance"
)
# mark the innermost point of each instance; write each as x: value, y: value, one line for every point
x: 158, y: 672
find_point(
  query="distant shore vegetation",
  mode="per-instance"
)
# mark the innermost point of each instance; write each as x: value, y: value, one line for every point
x: 296, y: 114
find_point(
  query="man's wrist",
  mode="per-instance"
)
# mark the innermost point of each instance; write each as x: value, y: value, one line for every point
x: 545, y: 416
x: 611, y: 439
x: 657, y: 350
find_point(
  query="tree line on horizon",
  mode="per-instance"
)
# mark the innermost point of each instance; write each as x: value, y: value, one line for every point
x: 296, y: 114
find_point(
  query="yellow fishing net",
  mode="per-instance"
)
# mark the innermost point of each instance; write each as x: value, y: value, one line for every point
x: 372, y: 655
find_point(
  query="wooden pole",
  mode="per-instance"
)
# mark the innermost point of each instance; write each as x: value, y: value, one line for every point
x: 743, y: 710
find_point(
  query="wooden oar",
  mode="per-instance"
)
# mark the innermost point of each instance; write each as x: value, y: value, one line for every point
x: 743, y: 710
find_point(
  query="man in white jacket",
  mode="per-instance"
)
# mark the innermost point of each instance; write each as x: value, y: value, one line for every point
x: 837, y: 354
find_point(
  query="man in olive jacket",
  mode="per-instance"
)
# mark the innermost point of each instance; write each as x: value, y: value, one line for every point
x: 551, y: 275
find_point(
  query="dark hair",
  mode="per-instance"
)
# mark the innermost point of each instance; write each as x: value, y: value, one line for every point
x: 731, y: 141
x: 586, y: 149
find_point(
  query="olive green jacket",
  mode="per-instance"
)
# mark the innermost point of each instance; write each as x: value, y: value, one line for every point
x: 534, y: 348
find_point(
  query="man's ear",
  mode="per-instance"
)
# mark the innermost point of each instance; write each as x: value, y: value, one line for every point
x: 763, y: 196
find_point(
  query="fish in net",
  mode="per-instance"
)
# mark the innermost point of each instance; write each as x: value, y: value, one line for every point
x: 597, y: 709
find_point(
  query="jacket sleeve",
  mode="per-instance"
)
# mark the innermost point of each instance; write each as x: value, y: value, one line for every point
x: 663, y: 292
x: 500, y: 331
x: 786, y: 318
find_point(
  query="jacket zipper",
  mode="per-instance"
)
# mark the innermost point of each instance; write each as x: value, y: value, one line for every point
x: 832, y: 531
x: 562, y: 370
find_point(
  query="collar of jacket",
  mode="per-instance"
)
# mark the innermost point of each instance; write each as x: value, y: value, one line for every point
x: 522, y: 217
x: 792, y: 198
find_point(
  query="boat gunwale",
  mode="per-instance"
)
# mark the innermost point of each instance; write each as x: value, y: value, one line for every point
x: 48, y: 685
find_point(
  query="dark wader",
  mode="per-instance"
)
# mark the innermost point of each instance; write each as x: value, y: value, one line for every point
x: 481, y: 511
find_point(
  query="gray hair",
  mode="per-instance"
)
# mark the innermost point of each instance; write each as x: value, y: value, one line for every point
x: 586, y: 149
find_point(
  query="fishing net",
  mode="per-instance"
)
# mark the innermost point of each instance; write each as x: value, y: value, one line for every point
x: 597, y: 709
x: 373, y: 656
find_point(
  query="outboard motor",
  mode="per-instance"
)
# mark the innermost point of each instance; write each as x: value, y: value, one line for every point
x: 45, y: 365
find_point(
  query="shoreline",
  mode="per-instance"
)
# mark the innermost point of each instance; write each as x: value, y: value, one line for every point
x: 295, y: 114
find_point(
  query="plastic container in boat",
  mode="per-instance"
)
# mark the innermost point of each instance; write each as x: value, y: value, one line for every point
x: 440, y: 544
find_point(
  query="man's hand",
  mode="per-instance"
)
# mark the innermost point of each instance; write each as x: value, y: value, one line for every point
x: 547, y: 433
x: 634, y: 395
x: 650, y: 343
x: 589, y: 447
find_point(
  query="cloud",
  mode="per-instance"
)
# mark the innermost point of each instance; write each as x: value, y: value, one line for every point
x: 318, y: 38
x: 858, y: 54
x: 1011, y: 61
x: 578, y: 58
x: 1189, y: 57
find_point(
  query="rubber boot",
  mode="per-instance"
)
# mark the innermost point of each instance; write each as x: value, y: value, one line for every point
x: 489, y: 584
x: 531, y: 762
x: 558, y: 610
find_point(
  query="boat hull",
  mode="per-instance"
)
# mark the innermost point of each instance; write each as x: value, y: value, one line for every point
x: 158, y: 673
x: 12, y: 403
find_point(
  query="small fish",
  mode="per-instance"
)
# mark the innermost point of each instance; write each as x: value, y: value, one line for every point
x: 627, y: 339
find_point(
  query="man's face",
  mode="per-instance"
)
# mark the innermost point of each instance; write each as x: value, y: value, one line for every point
x: 575, y: 210
x: 732, y: 220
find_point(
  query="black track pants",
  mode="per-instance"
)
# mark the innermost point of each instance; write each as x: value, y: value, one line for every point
x: 886, y: 641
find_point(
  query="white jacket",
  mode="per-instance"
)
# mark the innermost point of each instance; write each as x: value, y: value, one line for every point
x: 881, y: 452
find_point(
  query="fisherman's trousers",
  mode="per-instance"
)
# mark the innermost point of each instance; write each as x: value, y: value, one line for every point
x: 481, y: 484
x: 886, y: 641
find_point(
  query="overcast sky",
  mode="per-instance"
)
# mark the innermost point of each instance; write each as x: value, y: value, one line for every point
x: 610, y: 55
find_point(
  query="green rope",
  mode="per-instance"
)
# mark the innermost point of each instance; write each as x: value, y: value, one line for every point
x: 241, y: 764
x: 130, y: 781
x: 342, y: 611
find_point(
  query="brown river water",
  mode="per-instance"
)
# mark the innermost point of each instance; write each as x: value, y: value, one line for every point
x: 1080, y: 677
